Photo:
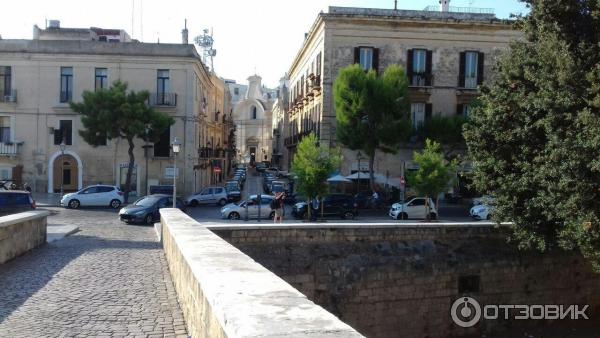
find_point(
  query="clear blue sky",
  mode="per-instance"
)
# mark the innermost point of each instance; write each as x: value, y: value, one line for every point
x: 261, y: 35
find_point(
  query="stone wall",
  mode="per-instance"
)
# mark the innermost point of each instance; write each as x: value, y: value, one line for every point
x: 224, y: 293
x: 391, y: 281
x: 21, y: 232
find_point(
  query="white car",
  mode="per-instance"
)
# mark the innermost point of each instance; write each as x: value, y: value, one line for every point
x: 414, y: 208
x: 208, y: 195
x: 481, y: 211
x: 94, y: 196
x: 250, y: 208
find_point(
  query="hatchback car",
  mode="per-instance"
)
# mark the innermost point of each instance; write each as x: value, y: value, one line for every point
x: 481, y: 211
x: 146, y: 209
x: 250, y: 207
x: 94, y: 196
x: 208, y: 195
x: 334, y: 205
x: 15, y: 201
x: 414, y: 208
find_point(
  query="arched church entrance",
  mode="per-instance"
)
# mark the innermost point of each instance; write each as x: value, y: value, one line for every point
x: 65, y: 173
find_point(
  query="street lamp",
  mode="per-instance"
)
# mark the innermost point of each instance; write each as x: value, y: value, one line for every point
x: 62, y: 146
x: 146, y: 155
x: 176, y: 145
x: 358, y: 157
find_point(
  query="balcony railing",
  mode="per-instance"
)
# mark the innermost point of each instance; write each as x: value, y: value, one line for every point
x: 9, y: 96
x: 467, y: 82
x: 163, y: 99
x: 66, y: 96
x: 420, y: 80
x: 9, y: 149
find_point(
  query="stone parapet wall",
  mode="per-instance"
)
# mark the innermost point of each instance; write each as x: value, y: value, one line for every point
x: 224, y: 293
x: 21, y: 232
x: 401, y: 280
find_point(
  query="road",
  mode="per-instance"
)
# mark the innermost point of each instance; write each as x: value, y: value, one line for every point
x: 109, y: 279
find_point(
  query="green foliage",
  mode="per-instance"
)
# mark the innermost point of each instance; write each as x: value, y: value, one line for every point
x: 312, y: 165
x: 446, y: 130
x: 115, y: 113
x: 535, y: 138
x: 434, y: 173
x: 373, y: 113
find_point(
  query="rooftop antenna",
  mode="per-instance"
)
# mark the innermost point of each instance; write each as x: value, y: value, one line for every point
x: 205, y: 42
x: 395, y: 5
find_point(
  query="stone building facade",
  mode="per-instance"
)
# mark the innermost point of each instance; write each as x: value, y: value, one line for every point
x: 40, y: 77
x: 447, y: 54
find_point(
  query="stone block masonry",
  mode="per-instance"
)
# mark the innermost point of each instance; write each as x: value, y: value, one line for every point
x: 21, y: 232
x: 401, y: 281
x: 224, y: 293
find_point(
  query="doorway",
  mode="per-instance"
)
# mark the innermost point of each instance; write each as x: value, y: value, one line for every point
x: 65, y: 173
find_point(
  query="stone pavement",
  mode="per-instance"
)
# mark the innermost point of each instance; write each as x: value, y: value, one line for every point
x: 107, y: 280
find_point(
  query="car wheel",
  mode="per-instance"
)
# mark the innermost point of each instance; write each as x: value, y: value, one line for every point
x: 234, y: 215
x: 433, y: 216
x: 272, y: 215
x: 74, y: 204
x: 348, y: 215
x: 402, y: 216
x: 148, y: 219
x: 222, y: 202
x: 488, y: 217
x: 193, y: 203
x: 115, y: 204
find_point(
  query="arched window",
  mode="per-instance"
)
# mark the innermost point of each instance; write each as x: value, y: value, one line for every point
x: 253, y: 113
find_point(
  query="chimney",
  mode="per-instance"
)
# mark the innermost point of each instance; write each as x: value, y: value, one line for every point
x: 445, y: 5
x: 184, y: 34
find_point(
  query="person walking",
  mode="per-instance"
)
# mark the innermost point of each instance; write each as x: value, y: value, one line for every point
x: 278, y: 207
x: 314, y: 205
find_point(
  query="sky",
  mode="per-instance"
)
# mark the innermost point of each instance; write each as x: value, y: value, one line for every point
x: 251, y: 36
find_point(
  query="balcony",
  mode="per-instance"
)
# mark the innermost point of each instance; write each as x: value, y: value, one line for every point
x: 420, y: 80
x: 66, y: 96
x: 163, y: 99
x: 9, y: 96
x: 315, y: 83
x: 9, y: 149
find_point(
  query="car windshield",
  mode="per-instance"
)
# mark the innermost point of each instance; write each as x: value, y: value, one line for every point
x: 146, y: 201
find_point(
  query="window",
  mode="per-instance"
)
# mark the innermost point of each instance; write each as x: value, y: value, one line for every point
x: 366, y: 58
x: 4, y: 129
x: 417, y: 113
x: 5, y: 81
x: 318, y: 70
x: 471, y: 69
x: 66, y: 84
x: 65, y: 132
x: 253, y: 113
x: 463, y: 110
x: 207, y: 191
x: 5, y: 173
x: 101, y: 78
x: 105, y: 189
x: 417, y: 202
x: 162, y: 148
x: 90, y: 190
x: 162, y: 81
x: 236, y: 91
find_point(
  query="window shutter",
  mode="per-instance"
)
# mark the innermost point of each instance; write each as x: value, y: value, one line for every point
x: 428, y: 111
x: 428, y: 67
x: 376, y: 59
x: 356, y: 54
x: 459, y: 109
x: 409, y: 63
x: 461, y: 72
x: 480, y: 63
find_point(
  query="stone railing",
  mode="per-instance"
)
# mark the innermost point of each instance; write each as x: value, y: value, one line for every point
x: 21, y: 232
x: 224, y: 293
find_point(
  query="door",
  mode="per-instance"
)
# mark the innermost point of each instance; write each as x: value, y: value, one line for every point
x: 416, y: 208
x: 206, y: 196
x: 105, y: 195
x: 252, y: 206
x: 88, y: 196
x: 65, y: 173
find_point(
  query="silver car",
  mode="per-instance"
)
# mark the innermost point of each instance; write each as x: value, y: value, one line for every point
x: 208, y: 195
x: 250, y: 207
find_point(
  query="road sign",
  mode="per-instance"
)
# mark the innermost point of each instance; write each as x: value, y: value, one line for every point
x: 217, y: 170
x: 402, y: 182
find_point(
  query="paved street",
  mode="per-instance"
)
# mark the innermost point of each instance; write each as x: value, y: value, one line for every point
x: 108, y: 279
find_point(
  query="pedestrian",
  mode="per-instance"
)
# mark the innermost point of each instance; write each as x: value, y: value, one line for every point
x: 278, y: 206
x: 375, y: 199
x: 314, y: 205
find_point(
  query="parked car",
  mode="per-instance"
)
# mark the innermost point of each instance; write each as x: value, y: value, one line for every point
x: 249, y: 206
x: 267, y: 184
x: 94, y: 196
x: 15, y: 201
x: 241, y: 173
x: 481, y: 211
x: 146, y: 209
x: 240, y: 180
x: 485, y: 199
x: 260, y: 167
x: 363, y: 200
x: 277, y: 187
x: 334, y: 205
x: 274, y: 171
x: 208, y: 195
x: 161, y: 189
x: 291, y: 199
x: 234, y: 194
x: 413, y: 209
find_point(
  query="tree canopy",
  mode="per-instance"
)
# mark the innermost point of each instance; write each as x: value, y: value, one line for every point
x: 535, y: 137
x: 115, y: 113
x: 372, y: 112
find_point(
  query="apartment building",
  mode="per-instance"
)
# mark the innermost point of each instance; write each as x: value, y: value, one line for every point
x: 447, y: 53
x: 40, y: 77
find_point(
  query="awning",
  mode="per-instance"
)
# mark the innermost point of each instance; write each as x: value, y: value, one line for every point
x: 338, y: 179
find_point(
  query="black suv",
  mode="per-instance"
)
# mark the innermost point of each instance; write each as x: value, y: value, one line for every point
x: 334, y: 205
x: 15, y: 201
x: 234, y: 193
